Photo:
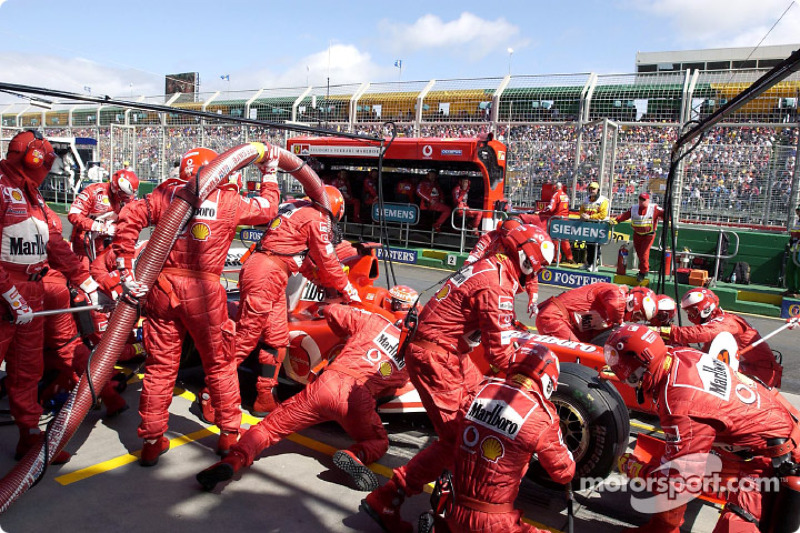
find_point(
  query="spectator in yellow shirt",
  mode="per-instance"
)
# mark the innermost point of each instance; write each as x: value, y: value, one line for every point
x: 594, y: 207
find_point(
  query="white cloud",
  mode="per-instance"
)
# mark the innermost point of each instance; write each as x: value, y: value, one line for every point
x: 467, y: 35
x: 724, y: 23
x: 73, y: 74
x: 344, y: 63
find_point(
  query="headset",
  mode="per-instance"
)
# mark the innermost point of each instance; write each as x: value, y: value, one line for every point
x: 36, y: 151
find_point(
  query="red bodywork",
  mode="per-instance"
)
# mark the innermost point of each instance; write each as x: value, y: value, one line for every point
x: 313, y: 342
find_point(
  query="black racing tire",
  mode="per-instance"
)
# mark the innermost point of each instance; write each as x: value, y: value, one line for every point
x: 594, y: 423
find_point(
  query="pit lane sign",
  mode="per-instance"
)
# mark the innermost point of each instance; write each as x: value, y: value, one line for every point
x: 402, y: 213
x: 398, y: 255
x: 570, y: 278
x: 598, y: 232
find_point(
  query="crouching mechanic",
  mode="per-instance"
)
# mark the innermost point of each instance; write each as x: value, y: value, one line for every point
x: 475, y: 306
x: 703, y: 404
x: 491, y: 460
x: 584, y: 313
x: 188, y: 296
x: 368, y: 367
x: 29, y: 246
x: 301, y: 229
x: 702, y: 308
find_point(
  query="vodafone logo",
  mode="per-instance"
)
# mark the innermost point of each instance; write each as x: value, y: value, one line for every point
x: 427, y: 150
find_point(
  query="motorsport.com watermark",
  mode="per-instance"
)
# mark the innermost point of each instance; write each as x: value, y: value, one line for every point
x: 672, y: 484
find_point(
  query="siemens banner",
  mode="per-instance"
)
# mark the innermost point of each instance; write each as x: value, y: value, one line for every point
x: 402, y: 213
x: 580, y: 230
x: 569, y: 278
x: 399, y: 255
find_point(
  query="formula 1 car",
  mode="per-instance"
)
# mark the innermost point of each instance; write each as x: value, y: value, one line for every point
x: 594, y: 416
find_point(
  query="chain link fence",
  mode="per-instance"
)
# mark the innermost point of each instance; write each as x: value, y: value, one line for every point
x: 616, y: 129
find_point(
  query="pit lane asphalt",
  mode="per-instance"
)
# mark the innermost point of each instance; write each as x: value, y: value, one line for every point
x: 292, y: 487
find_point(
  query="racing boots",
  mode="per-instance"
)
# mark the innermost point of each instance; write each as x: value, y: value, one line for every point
x: 383, y: 506
x: 265, y: 403
x: 28, y: 438
x: 207, y: 412
x: 152, y: 449
x: 222, y: 471
x: 364, y: 478
x: 226, y: 441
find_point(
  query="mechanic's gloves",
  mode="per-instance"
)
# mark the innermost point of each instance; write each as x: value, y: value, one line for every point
x: 110, y: 285
x: 90, y: 286
x: 130, y: 287
x: 110, y: 228
x: 269, y: 167
x: 630, y: 465
x: 22, y: 311
x: 350, y: 293
x: 533, y: 304
x: 664, y: 331
x: 98, y: 226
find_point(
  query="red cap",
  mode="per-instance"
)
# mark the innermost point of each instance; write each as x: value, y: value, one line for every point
x: 644, y: 196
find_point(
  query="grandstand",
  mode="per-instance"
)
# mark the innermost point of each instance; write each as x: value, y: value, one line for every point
x: 614, y: 128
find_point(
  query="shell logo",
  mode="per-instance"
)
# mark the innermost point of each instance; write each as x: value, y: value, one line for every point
x: 200, y: 231
x: 794, y: 310
x: 547, y: 275
x: 37, y: 156
x: 492, y: 449
x: 275, y: 223
x: 16, y: 195
x: 443, y: 292
x: 385, y: 369
x: 106, y: 201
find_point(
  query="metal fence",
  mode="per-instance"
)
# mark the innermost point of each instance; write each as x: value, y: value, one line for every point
x: 616, y: 129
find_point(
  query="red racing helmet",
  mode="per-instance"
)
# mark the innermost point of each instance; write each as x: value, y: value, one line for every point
x: 337, y: 202
x: 632, y: 350
x: 530, y: 247
x: 700, y: 305
x: 402, y: 299
x: 193, y: 160
x: 32, y: 154
x: 537, y: 362
x: 124, y: 184
x: 666, y: 309
x: 641, y: 305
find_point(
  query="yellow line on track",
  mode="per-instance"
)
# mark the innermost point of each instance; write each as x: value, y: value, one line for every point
x: 315, y: 445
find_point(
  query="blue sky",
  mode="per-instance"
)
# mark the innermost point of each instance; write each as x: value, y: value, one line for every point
x: 126, y: 48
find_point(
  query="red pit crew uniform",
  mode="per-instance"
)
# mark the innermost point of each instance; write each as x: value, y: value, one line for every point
x: 476, y: 306
x: 93, y: 202
x: 460, y: 197
x: 353, y: 204
x: 644, y: 231
x: 489, y: 244
x: 432, y: 199
x: 188, y: 297
x: 758, y: 362
x: 298, y: 231
x: 28, y: 245
x: 494, y: 453
x: 104, y: 271
x: 368, y: 367
x: 371, y: 189
x: 558, y: 207
x: 583, y: 313
x: 701, y: 404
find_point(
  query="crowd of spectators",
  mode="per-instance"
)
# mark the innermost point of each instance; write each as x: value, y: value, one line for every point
x: 736, y: 173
